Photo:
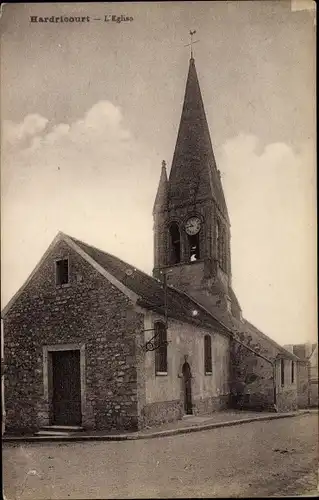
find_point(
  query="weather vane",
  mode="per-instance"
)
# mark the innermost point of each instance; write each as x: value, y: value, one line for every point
x: 192, y: 33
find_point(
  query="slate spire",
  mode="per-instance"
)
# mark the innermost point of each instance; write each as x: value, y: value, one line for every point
x: 194, y: 175
x: 161, y: 198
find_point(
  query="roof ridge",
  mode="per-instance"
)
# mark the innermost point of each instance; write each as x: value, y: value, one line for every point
x: 108, y: 254
x: 175, y: 290
x: 278, y: 346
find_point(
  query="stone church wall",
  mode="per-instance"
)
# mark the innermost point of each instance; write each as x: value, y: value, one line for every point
x: 164, y: 395
x: 89, y: 312
x: 253, y: 377
x: 183, y: 276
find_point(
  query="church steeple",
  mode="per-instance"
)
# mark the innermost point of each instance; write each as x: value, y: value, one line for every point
x: 194, y: 176
x: 191, y: 223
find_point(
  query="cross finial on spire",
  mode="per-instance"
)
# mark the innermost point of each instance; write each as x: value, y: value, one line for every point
x: 192, y: 33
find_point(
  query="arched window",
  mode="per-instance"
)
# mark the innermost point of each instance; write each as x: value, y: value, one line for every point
x: 161, y: 351
x: 193, y: 243
x: 208, y: 354
x: 175, y: 243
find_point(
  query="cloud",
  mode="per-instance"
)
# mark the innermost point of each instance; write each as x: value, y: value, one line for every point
x: 102, y: 123
x: 15, y: 134
x: 90, y: 178
x: 96, y: 146
x: 272, y: 203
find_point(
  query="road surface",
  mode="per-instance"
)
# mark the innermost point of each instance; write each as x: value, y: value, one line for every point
x: 271, y: 458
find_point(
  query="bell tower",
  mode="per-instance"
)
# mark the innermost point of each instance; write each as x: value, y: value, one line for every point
x: 191, y: 222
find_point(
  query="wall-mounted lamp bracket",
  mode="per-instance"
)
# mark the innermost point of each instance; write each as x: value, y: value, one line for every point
x: 154, y: 343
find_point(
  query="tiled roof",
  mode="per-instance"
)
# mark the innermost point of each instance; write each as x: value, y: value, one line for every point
x: 150, y: 290
x: 179, y: 304
x: 261, y: 335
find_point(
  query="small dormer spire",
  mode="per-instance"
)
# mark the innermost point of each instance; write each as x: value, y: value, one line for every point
x: 162, y: 191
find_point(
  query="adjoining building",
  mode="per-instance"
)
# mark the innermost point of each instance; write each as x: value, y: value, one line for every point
x: 307, y: 389
x: 92, y: 341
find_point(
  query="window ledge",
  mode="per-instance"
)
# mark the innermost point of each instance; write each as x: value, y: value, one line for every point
x: 208, y: 373
x: 65, y: 285
x: 161, y: 374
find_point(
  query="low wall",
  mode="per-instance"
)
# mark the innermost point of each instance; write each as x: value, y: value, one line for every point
x: 256, y: 401
x: 206, y: 406
x: 161, y: 412
x: 169, y: 411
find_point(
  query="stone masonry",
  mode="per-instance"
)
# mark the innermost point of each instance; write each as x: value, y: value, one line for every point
x: 88, y: 311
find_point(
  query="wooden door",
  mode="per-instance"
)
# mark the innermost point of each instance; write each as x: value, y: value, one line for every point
x: 66, y: 388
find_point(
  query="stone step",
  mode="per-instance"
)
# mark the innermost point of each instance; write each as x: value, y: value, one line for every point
x: 52, y: 433
x: 62, y: 428
x: 59, y: 430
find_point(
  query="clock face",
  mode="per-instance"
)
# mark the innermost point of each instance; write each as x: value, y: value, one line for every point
x: 193, y: 225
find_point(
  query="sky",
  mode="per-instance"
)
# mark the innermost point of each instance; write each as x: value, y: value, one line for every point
x: 90, y: 110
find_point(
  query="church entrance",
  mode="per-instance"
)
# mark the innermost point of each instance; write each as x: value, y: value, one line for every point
x: 187, y: 386
x: 66, y: 388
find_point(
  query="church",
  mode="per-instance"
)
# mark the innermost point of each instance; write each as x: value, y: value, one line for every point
x: 92, y: 342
